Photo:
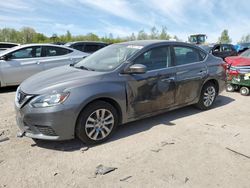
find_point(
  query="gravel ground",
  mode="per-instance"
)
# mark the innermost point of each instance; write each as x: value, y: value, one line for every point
x: 181, y: 148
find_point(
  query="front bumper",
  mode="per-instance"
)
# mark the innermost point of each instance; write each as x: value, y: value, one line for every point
x: 52, y: 123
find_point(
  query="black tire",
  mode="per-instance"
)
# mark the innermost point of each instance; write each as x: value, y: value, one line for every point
x: 230, y: 88
x: 201, y: 103
x: 89, y: 112
x: 244, y: 91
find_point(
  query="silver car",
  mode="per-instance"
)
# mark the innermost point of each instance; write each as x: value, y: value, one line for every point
x: 21, y: 62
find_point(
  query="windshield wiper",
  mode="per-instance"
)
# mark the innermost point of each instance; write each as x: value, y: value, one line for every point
x: 84, y: 68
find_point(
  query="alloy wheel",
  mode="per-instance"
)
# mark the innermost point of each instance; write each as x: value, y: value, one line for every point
x: 209, y: 96
x: 99, y: 124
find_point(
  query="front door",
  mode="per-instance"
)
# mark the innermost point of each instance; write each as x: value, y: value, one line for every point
x: 154, y: 90
x: 55, y: 57
x: 21, y: 64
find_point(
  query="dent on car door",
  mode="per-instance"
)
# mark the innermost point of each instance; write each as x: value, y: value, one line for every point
x: 21, y: 64
x: 56, y: 56
x: 191, y: 72
x: 155, y: 89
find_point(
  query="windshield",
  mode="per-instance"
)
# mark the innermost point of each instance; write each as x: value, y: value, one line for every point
x: 245, y: 54
x: 8, y: 50
x: 197, y: 39
x: 109, y: 58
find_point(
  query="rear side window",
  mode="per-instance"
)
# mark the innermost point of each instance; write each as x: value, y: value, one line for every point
x: 203, y: 55
x: 79, y: 47
x: 55, y: 51
x: 156, y: 58
x: 30, y: 52
x: 227, y: 48
x: 90, y: 48
x: 186, y: 55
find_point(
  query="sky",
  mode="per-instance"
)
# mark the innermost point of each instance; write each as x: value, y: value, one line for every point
x: 124, y: 17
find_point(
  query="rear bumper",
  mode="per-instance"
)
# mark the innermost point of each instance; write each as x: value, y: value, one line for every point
x: 53, y: 123
x: 222, y: 85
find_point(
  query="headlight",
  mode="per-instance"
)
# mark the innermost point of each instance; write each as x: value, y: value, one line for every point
x: 49, y: 100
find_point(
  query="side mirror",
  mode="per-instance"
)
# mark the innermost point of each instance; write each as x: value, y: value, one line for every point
x: 136, y: 69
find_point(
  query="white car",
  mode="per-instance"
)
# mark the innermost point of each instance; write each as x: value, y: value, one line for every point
x: 21, y: 62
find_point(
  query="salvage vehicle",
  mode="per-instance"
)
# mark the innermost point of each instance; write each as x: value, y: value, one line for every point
x: 86, y: 46
x: 21, y: 62
x: 238, y: 73
x: 199, y: 39
x: 221, y: 50
x: 7, y: 45
x: 118, y: 84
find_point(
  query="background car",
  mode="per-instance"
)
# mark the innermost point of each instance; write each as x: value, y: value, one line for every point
x: 221, y: 50
x: 241, y: 47
x: 7, y: 45
x: 86, y: 46
x: 118, y: 84
x: 242, y: 61
x: 19, y: 63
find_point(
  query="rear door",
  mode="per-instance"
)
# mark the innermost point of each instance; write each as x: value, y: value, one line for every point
x: 191, y: 72
x: 154, y: 90
x: 21, y: 64
x: 56, y: 56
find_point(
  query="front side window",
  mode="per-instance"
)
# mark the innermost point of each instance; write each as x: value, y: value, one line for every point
x: 56, y: 51
x: 79, y: 47
x: 30, y: 52
x: 186, y: 55
x: 217, y: 49
x: 156, y: 58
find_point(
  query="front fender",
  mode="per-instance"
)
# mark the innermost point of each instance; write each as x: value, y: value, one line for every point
x: 84, y: 95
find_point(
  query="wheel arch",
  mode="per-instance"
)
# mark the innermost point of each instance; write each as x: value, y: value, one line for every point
x: 109, y: 100
x: 214, y: 81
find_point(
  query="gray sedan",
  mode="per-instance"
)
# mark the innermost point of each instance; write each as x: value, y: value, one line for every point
x: 115, y: 85
x: 21, y: 62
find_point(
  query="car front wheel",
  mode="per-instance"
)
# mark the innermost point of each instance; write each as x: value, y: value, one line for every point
x: 97, y: 122
x: 207, y: 97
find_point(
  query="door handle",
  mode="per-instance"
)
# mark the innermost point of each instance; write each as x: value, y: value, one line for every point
x: 38, y: 62
x: 169, y: 79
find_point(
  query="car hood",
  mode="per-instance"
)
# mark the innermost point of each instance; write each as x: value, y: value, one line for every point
x: 238, y: 61
x: 58, y: 79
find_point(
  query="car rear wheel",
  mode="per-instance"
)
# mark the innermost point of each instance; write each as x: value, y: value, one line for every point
x: 207, y: 97
x: 97, y: 122
x: 244, y: 91
x: 230, y: 88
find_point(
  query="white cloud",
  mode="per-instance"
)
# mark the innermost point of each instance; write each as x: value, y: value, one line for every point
x: 116, y: 30
x: 119, y: 8
x: 15, y: 5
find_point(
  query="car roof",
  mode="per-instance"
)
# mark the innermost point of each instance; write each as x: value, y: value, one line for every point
x: 35, y: 44
x: 146, y: 43
x: 86, y: 42
x: 9, y: 43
